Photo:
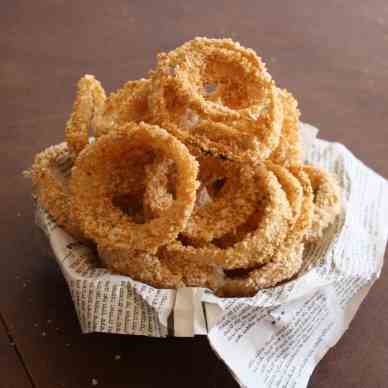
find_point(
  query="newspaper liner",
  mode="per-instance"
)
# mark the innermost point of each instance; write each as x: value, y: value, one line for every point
x: 277, y: 337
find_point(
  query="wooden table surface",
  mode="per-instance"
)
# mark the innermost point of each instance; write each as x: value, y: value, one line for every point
x: 333, y: 55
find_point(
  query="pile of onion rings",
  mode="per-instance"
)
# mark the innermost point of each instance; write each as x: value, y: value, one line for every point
x: 191, y: 177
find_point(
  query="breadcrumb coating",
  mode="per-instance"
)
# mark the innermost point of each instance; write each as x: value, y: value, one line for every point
x: 195, y: 176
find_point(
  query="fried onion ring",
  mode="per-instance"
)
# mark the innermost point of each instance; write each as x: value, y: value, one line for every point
x: 142, y: 266
x: 223, y: 140
x: 327, y: 203
x: 129, y: 103
x: 194, y: 274
x: 245, y: 100
x: 294, y: 193
x: 287, y: 260
x: 258, y: 246
x: 158, y: 271
x: 227, y: 210
x: 292, y: 187
x: 158, y: 195
x: 93, y: 184
x: 219, y: 199
x: 289, y: 150
x: 87, y: 110
x: 212, y: 217
x: 50, y: 178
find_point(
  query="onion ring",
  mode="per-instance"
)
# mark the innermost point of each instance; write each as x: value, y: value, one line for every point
x: 204, y: 61
x: 227, y: 210
x: 142, y: 266
x: 93, y: 182
x: 129, y: 184
x: 158, y: 195
x: 158, y: 271
x: 194, y: 274
x: 292, y: 187
x: 219, y: 199
x: 129, y: 103
x: 223, y: 140
x: 256, y: 247
x: 294, y: 193
x: 246, y: 100
x: 327, y: 203
x: 87, y: 110
x: 289, y: 149
x: 287, y: 260
x: 50, y: 178
x: 211, y: 218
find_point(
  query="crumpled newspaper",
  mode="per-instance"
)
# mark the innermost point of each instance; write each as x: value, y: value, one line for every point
x: 277, y: 337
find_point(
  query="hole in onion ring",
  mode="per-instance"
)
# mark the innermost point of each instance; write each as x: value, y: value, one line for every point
x: 222, y: 82
x: 130, y: 204
x: 236, y: 273
x: 210, y: 88
x: 106, y: 159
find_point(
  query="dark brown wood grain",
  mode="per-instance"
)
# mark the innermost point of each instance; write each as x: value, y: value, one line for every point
x: 332, y: 55
x: 12, y: 370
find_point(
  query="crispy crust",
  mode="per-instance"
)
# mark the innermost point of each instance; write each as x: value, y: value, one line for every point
x: 142, y: 266
x: 129, y: 103
x: 228, y: 209
x: 292, y: 187
x: 258, y: 246
x: 246, y: 100
x: 289, y: 150
x: 88, y: 106
x: 157, y: 194
x: 287, y: 260
x: 193, y: 274
x: 327, y: 201
x: 134, y: 191
x: 93, y: 183
x: 50, y: 179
